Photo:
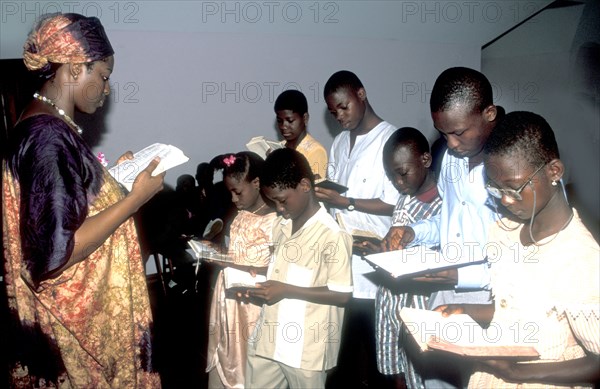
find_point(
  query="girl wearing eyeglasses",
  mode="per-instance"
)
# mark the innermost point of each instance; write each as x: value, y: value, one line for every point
x: 545, y: 280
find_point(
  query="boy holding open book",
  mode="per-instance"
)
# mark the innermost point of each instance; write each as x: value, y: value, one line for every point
x: 407, y: 162
x: 297, y: 336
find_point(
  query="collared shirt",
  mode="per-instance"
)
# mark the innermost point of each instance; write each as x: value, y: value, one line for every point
x: 545, y: 295
x: 461, y: 228
x: 361, y: 170
x: 295, y: 332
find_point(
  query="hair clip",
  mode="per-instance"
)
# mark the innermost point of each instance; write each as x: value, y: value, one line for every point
x: 228, y: 161
x: 102, y: 158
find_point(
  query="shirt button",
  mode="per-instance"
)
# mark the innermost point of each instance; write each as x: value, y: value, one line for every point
x: 276, y: 270
x: 364, y: 180
x: 458, y: 235
x: 503, y: 303
x: 464, y: 203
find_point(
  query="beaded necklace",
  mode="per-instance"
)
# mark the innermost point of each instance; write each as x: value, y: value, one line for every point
x: 61, y: 112
x: 259, y: 208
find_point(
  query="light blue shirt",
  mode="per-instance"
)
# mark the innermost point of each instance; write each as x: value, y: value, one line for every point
x: 461, y: 228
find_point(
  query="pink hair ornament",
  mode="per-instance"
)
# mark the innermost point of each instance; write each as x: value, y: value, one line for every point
x: 229, y: 160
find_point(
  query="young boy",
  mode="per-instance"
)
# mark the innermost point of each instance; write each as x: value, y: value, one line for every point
x: 408, y: 164
x: 291, y: 110
x: 297, y: 337
x: 355, y: 161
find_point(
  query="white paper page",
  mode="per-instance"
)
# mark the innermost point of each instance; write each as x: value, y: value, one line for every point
x: 127, y: 171
x: 411, y: 260
x: 235, y: 278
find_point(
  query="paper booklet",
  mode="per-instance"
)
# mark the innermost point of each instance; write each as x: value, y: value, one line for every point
x: 235, y: 278
x: 261, y: 145
x: 413, y: 261
x: 460, y: 334
x: 126, y: 172
x: 327, y: 184
x: 204, y: 251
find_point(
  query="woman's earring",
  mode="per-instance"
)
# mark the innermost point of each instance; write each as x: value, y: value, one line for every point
x: 554, y: 183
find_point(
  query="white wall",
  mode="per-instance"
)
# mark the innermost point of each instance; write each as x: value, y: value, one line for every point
x: 551, y: 66
x: 170, y: 54
x: 212, y: 99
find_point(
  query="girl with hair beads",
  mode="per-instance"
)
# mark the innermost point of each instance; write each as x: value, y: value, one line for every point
x: 231, y: 320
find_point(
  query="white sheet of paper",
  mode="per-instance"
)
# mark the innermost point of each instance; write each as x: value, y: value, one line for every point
x: 412, y: 261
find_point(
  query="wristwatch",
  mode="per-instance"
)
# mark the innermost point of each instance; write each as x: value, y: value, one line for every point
x: 352, y: 205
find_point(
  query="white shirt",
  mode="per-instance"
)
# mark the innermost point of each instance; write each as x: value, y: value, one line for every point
x: 361, y: 170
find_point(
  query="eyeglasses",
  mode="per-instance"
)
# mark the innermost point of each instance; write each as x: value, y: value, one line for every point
x: 514, y: 194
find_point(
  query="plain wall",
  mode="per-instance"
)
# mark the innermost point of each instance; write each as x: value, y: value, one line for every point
x: 203, y: 75
x: 214, y: 98
x: 555, y: 72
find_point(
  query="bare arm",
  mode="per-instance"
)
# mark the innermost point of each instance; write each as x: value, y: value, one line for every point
x: 274, y: 291
x: 573, y: 372
x: 96, y: 229
x: 372, y: 206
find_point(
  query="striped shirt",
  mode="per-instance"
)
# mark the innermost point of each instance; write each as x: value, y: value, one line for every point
x: 391, y: 358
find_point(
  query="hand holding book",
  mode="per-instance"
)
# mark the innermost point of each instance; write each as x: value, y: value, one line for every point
x: 460, y: 334
x: 127, y: 170
x: 263, y: 146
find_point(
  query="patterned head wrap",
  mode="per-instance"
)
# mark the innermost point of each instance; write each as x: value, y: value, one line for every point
x: 65, y: 38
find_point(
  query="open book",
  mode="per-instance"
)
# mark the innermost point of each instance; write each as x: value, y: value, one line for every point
x: 460, y: 334
x: 358, y: 235
x: 239, y: 279
x: 261, y: 145
x: 413, y: 262
x: 204, y: 251
x: 126, y: 172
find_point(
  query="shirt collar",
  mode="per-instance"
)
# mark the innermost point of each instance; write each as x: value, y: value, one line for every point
x: 287, y: 223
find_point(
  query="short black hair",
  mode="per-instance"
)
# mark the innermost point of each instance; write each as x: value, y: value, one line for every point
x: 406, y: 136
x: 244, y: 165
x: 184, y: 179
x: 284, y: 169
x: 460, y: 85
x: 293, y: 100
x: 205, y: 174
x: 526, y: 134
x: 343, y: 79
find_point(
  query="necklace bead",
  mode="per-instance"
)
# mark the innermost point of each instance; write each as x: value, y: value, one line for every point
x: 60, y: 111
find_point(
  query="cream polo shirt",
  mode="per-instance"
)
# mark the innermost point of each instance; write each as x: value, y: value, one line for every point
x: 294, y: 332
x: 546, y: 295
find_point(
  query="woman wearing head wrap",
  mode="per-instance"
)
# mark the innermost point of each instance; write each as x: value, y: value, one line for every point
x: 74, y: 275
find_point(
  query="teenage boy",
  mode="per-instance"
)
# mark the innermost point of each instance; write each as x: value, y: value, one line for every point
x: 297, y: 337
x: 291, y: 111
x: 355, y: 160
x: 463, y: 111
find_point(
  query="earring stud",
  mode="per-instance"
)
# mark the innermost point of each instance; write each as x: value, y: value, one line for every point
x: 554, y: 183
